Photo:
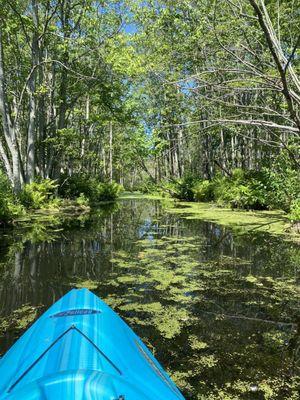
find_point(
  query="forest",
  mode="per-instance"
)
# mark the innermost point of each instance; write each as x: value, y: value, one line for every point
x: 150, y: 152
x: 198, y: 100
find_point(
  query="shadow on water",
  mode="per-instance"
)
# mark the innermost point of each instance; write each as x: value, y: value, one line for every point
x: 220, y: 311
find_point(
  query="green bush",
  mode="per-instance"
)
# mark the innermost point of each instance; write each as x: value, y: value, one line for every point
x: 294, y: 215
x: 284, y: 188
x: 203, y: 190
x: 107, y: 191
x: 37, y: 195
x: 272, y: 188
x: 182, y: 188
x: 243, y: 189
x: 77, y: 185
x: 9, y: 206
x: 147, y: 186
x: 71, y: 187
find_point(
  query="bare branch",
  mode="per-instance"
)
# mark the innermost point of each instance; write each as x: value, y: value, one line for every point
x: 260, y: 123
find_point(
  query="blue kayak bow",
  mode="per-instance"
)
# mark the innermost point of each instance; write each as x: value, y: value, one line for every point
x: 81, y: 349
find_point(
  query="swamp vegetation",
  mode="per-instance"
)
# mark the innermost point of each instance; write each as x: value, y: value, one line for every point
x: 219, y: 306
x: 149, y: 150
x: 197, y: 99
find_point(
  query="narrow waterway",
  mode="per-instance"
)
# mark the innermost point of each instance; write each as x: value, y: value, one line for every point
x: 219, y: 310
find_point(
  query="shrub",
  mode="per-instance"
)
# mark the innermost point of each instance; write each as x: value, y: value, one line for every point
x: 203, y: 190
x: 182, y: 188
x: 82, y: 200
x: 77, y: 185
x: 147, y: 186
x: 244, y: 189
x: 265, y: 189
x: 37, y: 195
x: 73, y: 186
x: 284, y: 188
x: 107, y: 191
x: 9, y: 206
x: 294, y: 215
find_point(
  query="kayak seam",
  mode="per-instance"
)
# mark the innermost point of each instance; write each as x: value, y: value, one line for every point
x: 38, y: 359
x: 73, y: 327
x: 157, y: 370
x: 99, y: 350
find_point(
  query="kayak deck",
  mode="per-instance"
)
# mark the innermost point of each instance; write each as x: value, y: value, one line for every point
x: 80, y: 348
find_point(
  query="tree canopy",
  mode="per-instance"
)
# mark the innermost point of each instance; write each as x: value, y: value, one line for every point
x: 127, y: 89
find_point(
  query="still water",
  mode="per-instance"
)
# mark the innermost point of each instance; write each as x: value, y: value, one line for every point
x: 219, y: 310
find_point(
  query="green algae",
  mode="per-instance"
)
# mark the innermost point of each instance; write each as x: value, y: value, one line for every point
x: 169, y: 270
x: 86, y: 283
x: 220, y: 309
x: 274, y: 222
x: 19, y: 319
x: 242, y: 221
x: 140, y: 196
x: 197, y: 344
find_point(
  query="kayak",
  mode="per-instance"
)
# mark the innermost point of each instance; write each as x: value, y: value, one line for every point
x: 81, y: 349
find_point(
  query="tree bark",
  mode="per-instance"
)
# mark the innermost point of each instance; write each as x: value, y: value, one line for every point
x: 31, y: 133
x: 8, y: 128
x: 110, y: 151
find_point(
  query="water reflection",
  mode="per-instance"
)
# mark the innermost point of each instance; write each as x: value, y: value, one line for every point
x: 222, y: 311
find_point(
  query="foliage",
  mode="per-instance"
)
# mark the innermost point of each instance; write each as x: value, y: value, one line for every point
x: 284, y: 180
x: 246, y: 189
x: 182, y: 188
x: 71, y: 187
x: 147, y: 186
x: 295, y: 211
x: 157, y: 104
x: 76, y: 185
x: 243, y: 189
x: 203, y: 190
x: 9, y: 206
x: 107, y: 191
x: 82, y: 200
x: 38, y: 194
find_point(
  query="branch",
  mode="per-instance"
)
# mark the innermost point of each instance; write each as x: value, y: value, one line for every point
x: 252, y: 122
x: 292, y: 54
x: 33, y: 70
x: 278, y: 56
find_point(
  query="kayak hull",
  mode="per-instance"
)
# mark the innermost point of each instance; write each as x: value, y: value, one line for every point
x: 81, y: 349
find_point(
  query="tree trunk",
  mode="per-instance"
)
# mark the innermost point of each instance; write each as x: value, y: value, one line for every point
x: 31, y: 133
x: 8, y: 129
x: 110, y: 151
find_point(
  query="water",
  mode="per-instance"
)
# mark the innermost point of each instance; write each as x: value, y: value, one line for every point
x: 220, y: 311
